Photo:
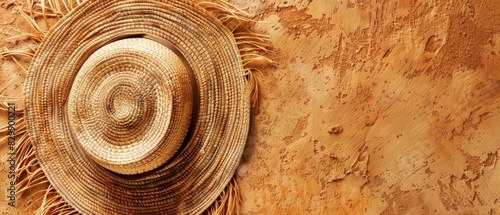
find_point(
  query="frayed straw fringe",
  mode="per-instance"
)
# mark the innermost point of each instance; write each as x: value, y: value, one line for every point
x: 228, y: 202
x: 249, y: 44
x: 53, y: 203
x: 29, y: 173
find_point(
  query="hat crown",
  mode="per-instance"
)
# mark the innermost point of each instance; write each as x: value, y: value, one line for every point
x: 130, y: 105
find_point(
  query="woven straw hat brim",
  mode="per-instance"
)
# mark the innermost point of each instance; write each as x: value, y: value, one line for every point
x: 194, y: 176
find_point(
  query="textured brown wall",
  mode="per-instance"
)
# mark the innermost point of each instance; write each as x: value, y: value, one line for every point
x: 373, y: 107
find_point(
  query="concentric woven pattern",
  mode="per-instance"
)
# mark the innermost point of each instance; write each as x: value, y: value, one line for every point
x: 138, y: 107
x: 130, y: 105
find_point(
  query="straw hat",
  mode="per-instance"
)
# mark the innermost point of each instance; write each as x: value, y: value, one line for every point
x: 138, y: 106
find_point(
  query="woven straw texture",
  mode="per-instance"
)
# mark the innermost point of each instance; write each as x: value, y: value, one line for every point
x: 138, y: 107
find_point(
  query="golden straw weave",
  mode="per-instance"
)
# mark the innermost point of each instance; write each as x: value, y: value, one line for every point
x: 138, y: 107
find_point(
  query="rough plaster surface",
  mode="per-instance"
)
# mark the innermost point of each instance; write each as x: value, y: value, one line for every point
x: 372, y: 107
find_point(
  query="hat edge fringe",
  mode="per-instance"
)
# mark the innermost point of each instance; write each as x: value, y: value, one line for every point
x: 29, y: 173
x: 250, y: 45
x: 229, y: 201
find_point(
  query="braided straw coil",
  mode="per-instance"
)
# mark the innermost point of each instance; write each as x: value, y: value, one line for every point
x: 138, y: 107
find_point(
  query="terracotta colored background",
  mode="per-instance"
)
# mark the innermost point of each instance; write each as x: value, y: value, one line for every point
x: 372, y: 107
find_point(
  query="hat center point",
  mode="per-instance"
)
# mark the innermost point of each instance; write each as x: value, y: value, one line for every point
x: 123, y: 104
